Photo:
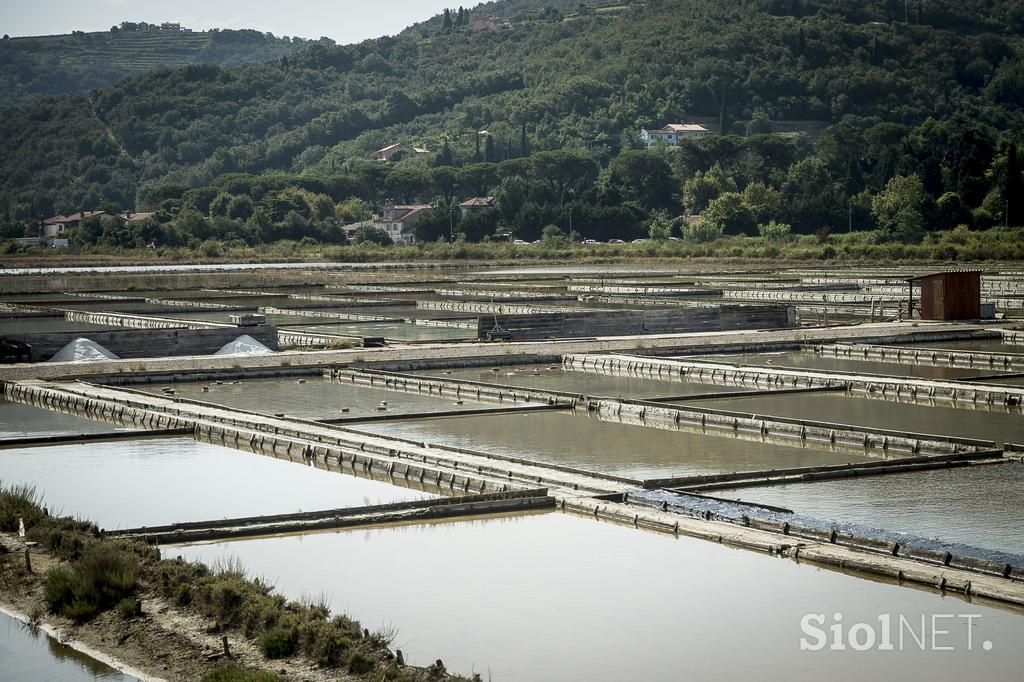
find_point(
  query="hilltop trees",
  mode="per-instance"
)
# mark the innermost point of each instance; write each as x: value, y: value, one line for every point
x: 822, y: 105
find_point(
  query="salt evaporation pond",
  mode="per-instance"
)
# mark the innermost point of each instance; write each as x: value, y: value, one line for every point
x: 153, y: 482
x: 558, y: 597
x: 977, y: 506
x: 830, y: 363
x: 556, y: 378
x: 585, y: 441
x: 311, y: 397
x: 1001, y: 427
x: 18, y: 420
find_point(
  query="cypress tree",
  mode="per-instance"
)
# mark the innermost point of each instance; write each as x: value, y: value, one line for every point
x: 523, y: 151
x: 446, y: 23
x: 489, y: 150
x: 1013, y: 187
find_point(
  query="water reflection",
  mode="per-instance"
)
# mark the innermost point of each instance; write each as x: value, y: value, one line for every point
x: 558, y: 597
x: 1001, y: 427
x: 977, y: 506
x: 154, y: 482
x: 585, y: 441
x: 30, y: 655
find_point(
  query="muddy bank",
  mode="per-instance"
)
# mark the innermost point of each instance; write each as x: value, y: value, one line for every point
x: 162, y: 642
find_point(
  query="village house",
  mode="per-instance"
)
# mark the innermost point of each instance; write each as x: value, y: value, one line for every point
x: 392, y: 151
x: 131, y: 216
x: 674, y: 134
x: 59, y: 224
x: 483, y: 23
x: 476, y: 204
x: 398, y: 222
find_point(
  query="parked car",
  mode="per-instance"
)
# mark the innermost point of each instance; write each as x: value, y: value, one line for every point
x: 589, y: 242
x: 639, y: 241
x: 616, y: 241
x: 520, y: 242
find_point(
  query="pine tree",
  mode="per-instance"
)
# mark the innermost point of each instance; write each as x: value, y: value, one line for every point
x: 523, y: 146
x: 476, y: 154
x: 446, y: 23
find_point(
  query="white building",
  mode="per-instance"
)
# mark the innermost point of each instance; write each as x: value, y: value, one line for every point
x: 397, y: 221
x: 674, y: 134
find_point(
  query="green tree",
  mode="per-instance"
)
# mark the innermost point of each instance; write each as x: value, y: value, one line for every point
x: 659, y: 227
x: 897, y: 208
x: 730, y: 214
x: 241, y: 207
x: 702, y: 188
x: 641, y: 176
x: 372, y: 235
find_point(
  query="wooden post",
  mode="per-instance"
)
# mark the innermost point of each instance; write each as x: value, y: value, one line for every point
x: 28, y: 561
x: 227, y: 651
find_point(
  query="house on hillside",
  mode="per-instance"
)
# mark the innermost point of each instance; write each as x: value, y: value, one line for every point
x: 483, y: 23
x: 476, y: 204
x: 57, y: 225
x: 131, y: 216
x: 392, y: 151
x: 674, y: 134
x: 170, y: 26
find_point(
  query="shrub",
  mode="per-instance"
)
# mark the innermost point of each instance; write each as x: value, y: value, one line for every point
x: 278, y: 643
x: 129, y: 608
x: 18, y: 502
x: 103, y: 577
x: 359, y: 662
x: 776, y: 232
x: 232, y: 672
x: 702, y: 232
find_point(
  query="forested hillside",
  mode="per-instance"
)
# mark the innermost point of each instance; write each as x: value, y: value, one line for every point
x: 918, y: 106
x: 46, y: 66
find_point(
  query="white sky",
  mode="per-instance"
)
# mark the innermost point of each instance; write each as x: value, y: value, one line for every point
x: 346, y: 21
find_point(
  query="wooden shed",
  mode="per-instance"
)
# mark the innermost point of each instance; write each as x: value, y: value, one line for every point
x: 949, y: 295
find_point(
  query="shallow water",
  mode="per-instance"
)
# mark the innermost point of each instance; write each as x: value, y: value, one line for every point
x: 584, y: 441
x: 977, y: 505
x: 1001, y: 427
x: 559, y: 597
x: 391, y: 330
x: 225, y: 316
x: 315, y: 398
x: 28, y: 657
x: 987, y: 345
x: 26, y: 421
x: 35, y: 325
x: 556, y: 378
x: 810, y: 360
x: 152, y: 482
